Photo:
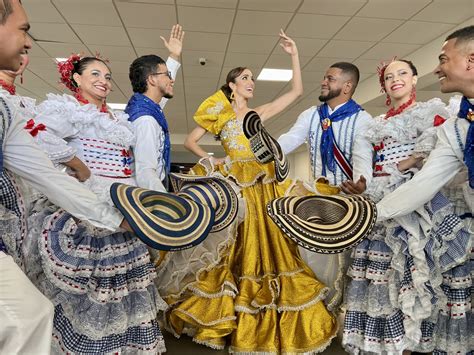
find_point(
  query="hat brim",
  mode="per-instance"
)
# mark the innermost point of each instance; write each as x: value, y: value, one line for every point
x: 210, y: 191
x: 264, y: 146
x: 162, y: 220
x: 324, y: 224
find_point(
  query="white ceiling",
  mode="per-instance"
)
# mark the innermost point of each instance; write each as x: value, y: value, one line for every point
x: 232, y: 33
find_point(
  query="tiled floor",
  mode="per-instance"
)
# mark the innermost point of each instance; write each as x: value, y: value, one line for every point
x: 185, y: 346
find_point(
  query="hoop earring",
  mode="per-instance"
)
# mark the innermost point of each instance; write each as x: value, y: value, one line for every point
x: 232, y: 96
x: 388, y: 101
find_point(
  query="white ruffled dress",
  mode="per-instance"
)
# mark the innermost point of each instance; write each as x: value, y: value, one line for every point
x: 399, y: 274
x: 100, y: 282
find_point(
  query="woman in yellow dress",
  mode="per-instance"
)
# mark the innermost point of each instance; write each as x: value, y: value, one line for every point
x: 261, y: 294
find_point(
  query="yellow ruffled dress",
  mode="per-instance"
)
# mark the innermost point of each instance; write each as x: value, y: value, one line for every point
x: 261, y: 294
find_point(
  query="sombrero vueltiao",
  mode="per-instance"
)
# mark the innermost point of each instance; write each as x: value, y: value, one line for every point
x: 264, y: 146
x: 214, y: 192
x: 324, y: 224
x: 167, y: 221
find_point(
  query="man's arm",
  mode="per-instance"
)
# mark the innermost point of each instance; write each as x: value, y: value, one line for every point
x: 148, y: 168
x: 440, y: 168
x: 175, y: 46
x: 24, y: 158
x: 297, y: 134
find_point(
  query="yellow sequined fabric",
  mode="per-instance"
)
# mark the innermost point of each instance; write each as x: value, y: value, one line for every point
x: 261, y: 296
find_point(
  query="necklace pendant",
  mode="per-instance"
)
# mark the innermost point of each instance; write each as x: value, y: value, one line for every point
x: 326, y: 123
x: 470, y: 116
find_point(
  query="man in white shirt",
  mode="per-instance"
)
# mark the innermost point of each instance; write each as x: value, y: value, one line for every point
x: 337, y: 88
x: 339, y: 152
x: 27, y: 316
x: 454, y: 151
x: 152, y: 82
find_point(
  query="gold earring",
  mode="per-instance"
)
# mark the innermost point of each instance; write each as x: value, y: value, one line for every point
x: 232, y: 96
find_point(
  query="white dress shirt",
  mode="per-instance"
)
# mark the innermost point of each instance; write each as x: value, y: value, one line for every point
x: 149, y: 145
x: 349, y: 132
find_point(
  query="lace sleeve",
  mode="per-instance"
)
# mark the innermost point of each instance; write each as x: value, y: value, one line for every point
x: 56, y: 114
x: 56, y: 148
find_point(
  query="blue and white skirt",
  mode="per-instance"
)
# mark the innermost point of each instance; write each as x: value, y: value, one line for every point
x: 411, y: 285
x: 101, y: 284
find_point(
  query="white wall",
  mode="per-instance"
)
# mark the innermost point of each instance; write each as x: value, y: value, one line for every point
x: 300, y: 167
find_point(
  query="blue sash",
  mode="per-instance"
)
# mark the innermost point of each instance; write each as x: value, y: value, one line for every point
x: 466, y: 111
x: 329, y: 150
x: 140, y: 105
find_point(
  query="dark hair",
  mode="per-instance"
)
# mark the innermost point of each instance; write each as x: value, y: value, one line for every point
x: 349, y: 69
x: 140, y: 70
x: 381, y: 70
x: 82, y: 64
x: 463, y: 35
x: 231, y: 76
x: 5, y: 10
x: 410, y: 64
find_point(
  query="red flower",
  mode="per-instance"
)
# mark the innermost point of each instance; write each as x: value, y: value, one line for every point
x: 65, y: 71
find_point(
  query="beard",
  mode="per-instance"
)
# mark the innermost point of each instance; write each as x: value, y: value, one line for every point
x: 167, y: 94
x: 330, y: 95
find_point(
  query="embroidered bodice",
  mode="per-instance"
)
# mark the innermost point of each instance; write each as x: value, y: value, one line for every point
x: 235, y: 144
x: 217, y: 116
x: 101, y: 140
x: 411, y: 133
x: 240, y: 163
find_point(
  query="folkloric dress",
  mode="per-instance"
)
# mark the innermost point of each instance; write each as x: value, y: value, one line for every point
x: 261, y: 293
x: 26, y: 313
x: 448, y: 164
x: 100, y: 282
x: 393, y: 297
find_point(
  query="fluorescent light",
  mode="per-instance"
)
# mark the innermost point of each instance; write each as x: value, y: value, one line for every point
x: 268, y: 74
x: 60, y: 59
x: 116, y: 106
x: 210, y: 153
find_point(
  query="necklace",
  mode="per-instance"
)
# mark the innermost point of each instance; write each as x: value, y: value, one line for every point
x: 84, y: 101
x: 11, y: 88
x: 393, y: 112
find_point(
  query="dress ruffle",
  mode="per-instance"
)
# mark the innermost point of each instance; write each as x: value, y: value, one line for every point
x: 398, y: 290
x: 246, y: 173
x: 408, y: 124
x: 179, y: 271
x: 101, y: 284
x: 257, y: 288
x: 65, y: 109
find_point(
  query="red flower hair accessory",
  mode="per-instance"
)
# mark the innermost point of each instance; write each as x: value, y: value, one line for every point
x: 65, y: 71
x: 381, y: 73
